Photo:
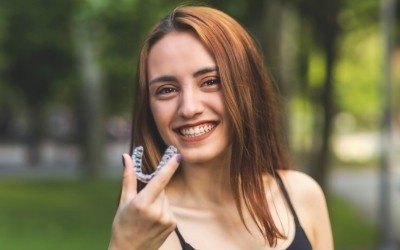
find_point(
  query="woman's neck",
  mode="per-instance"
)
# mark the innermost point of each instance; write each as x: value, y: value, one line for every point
x: 202, y: 185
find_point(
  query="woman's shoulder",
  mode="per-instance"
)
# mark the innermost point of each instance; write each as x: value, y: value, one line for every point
x: 301, y: 186
x: 309, y: 202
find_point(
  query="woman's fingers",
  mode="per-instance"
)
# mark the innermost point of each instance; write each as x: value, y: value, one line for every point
x: 152, y: 190
x: 144, y: 220
x: 129, y: 182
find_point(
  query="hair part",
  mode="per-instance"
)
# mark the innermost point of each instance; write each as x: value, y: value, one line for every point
x: 250, y: 101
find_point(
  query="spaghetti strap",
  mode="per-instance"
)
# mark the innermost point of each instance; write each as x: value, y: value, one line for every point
x: 184, y: 244
x: 181, y: 239
x: 300, y: 240
x: 287, y: 198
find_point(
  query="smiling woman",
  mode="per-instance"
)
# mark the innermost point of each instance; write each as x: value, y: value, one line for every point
x: 186, y: 98
x: 202, y: 88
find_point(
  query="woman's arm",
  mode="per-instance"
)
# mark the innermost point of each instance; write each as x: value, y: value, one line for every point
x: 321, y: 224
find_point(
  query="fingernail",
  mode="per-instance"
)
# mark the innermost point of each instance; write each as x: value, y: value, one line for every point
x: 178, y: 158
x: 123, y: 161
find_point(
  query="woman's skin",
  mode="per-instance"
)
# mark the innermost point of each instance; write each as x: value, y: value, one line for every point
x: 185, y: 94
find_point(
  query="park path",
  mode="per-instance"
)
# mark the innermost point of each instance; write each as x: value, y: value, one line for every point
x: 360, y: 187
x: 58, y: 160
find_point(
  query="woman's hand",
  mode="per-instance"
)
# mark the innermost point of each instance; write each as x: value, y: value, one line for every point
x: 143, y: 220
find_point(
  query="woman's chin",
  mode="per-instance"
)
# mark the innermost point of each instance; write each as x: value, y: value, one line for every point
x: 196, y: 157
x: 189, y: 159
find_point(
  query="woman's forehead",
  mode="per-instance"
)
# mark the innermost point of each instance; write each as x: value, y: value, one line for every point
x: 178, y: 52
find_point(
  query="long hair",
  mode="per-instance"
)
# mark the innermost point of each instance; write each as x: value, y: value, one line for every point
x: 249, y: 99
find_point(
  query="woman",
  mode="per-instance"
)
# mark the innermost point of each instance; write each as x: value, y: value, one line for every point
x: 202, y: 88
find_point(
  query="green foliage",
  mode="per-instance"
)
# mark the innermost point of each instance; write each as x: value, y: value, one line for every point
x: 316, y: 69
x: 358, y: 71
x: 358, y: 67
x: 358, y: 15
x: 358, y: 78
x: 36, y: 47
x: 37, y: 54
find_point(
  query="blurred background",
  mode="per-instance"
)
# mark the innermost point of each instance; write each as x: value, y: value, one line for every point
x: 66, y: 74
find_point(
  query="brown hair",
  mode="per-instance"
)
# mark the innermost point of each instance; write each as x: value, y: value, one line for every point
x: 249, y: 99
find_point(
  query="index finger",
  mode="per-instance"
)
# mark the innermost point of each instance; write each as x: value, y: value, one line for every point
x: 160, y: 180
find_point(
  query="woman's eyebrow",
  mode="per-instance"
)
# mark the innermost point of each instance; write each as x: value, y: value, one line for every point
x: 163, y: 79
x: 168, y: 78
x: 204, y: 70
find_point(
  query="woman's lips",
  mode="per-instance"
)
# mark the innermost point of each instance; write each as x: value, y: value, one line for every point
x: 196, y: 132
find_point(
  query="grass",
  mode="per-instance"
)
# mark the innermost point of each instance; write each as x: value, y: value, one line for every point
x: 351, y: 231
x: 66, y: 214
x: 56, y: 214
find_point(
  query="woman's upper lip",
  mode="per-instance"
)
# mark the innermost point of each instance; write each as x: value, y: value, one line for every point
x: 188, y: 125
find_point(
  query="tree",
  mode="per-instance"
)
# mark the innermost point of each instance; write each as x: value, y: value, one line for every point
x: 37, y: 54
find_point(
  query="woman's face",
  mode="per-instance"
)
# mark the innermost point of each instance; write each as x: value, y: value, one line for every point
x: 186, y: 98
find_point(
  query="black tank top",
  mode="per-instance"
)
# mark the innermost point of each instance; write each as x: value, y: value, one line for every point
x: 300, y: 241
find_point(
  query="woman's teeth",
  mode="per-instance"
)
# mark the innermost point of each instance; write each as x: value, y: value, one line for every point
x: 197, y: 130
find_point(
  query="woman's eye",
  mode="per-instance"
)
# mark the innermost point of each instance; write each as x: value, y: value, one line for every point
x: 165, y: 91
x: 212, y: 82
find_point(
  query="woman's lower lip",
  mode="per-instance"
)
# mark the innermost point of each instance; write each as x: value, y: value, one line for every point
x: 197, y: 138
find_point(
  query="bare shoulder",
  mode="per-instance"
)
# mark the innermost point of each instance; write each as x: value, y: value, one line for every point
x: 305, y: 193
x: 309, y: 202
x: 302, y: 187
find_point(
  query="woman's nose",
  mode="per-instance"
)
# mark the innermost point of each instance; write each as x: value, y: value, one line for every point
x: 190, y: 104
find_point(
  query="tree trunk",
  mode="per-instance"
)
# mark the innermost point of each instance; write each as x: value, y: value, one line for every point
x: 288, y: 70
x: 330, y: 36
x: 34, y: 135
x: 277, y: 31
x: 323, y: 163
x: 92, y: 109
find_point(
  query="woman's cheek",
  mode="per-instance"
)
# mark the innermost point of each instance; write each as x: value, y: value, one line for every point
x: 163, y: 117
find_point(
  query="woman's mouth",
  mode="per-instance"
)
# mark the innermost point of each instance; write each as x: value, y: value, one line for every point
x: 196, y: 132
